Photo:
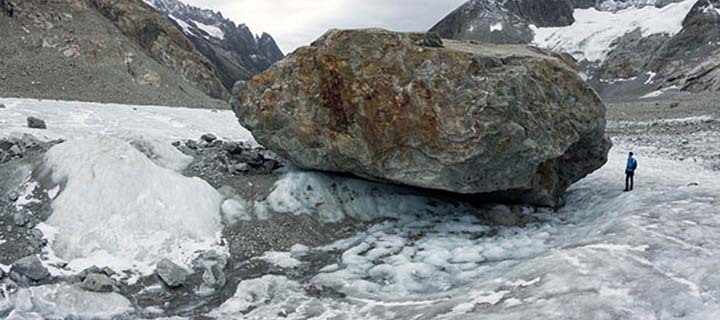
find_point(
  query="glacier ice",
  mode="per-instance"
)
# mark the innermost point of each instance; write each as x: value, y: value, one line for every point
x: 120, y: 209
x: 62, y: 301
x: 649, y: 254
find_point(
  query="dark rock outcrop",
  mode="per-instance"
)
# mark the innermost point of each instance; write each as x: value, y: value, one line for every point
x: 504, y: 21
x: 236, y: 53
x: 510, y: 123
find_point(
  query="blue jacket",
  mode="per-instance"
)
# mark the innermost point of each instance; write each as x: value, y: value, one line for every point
x: 631, y: 165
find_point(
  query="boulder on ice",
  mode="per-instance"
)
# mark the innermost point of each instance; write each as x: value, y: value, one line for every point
x: 499, y: 122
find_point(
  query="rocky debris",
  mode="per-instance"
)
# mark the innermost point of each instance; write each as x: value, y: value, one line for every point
x: 2, y: 106
x: 36, y: 123
x: 212, y: 266
x: 320, y: 291
x: 13, y: 147
x: 21, y: 219
x: 98, y: 282
x: 502, y: 123
x: 30, y: 267
x: 171, y: 274
x: 215, y: 159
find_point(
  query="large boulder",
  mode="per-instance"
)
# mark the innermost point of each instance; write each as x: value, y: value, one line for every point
x: 500, y: 122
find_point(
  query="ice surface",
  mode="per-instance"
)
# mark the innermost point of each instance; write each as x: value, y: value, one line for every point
x: 71, y: 120
x: 334, y: 199
x: 122, y: 210
x: 590, y: 37
x: 62, y: 301
x: 648, y: 254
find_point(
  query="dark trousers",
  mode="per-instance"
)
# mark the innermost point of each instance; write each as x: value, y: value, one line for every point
x: 629, y: 180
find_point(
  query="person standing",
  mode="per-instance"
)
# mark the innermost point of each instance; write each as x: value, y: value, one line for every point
x: 630, y: 172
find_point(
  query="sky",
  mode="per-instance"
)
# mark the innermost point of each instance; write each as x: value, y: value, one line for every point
x: 295, y: 23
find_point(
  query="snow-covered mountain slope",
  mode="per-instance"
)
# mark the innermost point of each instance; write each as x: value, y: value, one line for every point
x: 235, y: 51
x: 647, y: 254
x: 590, y: 38
x: 623, y: 47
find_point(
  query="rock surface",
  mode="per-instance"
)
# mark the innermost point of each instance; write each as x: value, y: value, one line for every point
x: 172, y: 274
x: 36, y: 123
x: 510, y: 123
x: 30, y: 267
x: 97, y: 282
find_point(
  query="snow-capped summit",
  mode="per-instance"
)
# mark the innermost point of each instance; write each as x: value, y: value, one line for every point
x: 232, y: 48
x: 626, y: 47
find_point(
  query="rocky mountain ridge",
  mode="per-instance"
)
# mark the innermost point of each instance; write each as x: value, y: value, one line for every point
x: 235, y: 51
x: 631, y: 48
x: 126, y: 51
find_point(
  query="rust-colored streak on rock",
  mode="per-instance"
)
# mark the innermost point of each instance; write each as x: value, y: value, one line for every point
x: 333, y: 88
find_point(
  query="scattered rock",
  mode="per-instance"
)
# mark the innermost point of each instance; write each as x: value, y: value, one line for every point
x: 98, y: 282
x: 172, y: 274
x: 693, y: 184
x: 108, y: 272
x: 214, y: 277
x: 2, y: 106
x: 242, y: 167
x: 674, y: 105
x: 319, y: 291
x: 13, y: 196
x: 30, y: 267
x: 523, y: 133
x: 209, y: 137
x: 15, y: 150
x: 21, y: 219
x: 36, y: 123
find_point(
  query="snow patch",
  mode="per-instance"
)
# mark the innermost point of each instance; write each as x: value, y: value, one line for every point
x: 593, y: 32
x: 658, y: 93
x: 186, y: 28
x: 213, y: 31
x: 496, y: 27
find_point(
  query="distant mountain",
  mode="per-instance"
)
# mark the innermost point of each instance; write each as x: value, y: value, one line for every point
x: 233, y: 49
x: 624, y: 48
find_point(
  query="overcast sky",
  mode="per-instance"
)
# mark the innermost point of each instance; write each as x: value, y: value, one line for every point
x: 295, y: 23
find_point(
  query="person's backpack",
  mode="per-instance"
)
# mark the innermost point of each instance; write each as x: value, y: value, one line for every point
x: 634, y: 164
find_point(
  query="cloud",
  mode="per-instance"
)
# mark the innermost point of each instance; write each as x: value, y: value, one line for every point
x: 295, y: 23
